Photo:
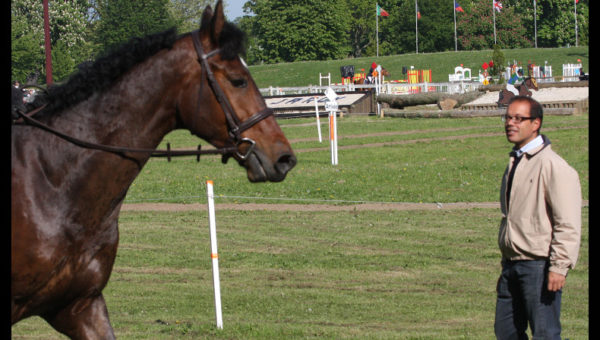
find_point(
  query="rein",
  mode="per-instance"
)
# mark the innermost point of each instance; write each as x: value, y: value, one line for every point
x: 27, y: 119
x: 235, y: 126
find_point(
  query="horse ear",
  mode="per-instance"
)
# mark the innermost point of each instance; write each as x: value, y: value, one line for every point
x: 206, y: 18
x: 218, y: 21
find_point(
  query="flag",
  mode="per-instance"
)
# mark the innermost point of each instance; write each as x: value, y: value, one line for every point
x: 418, y: 13
x: 497, y: 5
x: 457, y: 7
x: 382, y: 12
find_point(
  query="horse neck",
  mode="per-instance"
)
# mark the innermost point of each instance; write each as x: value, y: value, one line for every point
x: 138, y: 110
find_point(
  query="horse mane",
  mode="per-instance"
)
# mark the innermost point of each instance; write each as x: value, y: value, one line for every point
x: 96, y: 76
x: 100, y: 74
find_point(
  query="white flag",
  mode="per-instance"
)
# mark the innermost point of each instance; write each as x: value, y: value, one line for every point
x: 497, y: 5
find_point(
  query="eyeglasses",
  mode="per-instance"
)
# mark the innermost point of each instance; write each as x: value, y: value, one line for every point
x: 517, y: 119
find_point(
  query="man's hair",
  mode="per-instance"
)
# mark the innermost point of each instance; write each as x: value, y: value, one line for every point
x: 535, y: 108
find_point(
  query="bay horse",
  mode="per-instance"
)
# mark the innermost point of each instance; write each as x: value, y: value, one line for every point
x: 74, y: 158
x: 361, y: 81
x: 505, y: 95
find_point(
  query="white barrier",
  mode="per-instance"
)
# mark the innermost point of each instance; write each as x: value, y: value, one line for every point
x: 214, y: 255
x: 571, y: 72
x: 331, y: 105
x: 318, y: 120
x: 333, y: 137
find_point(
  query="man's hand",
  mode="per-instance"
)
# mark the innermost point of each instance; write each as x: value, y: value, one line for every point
x: 555, y: 281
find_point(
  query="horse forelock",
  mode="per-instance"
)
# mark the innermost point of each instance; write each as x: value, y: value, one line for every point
x: 232, y: 41
x: 100, y: 74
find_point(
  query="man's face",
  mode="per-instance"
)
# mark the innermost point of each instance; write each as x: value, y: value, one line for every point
x: 520, y: 133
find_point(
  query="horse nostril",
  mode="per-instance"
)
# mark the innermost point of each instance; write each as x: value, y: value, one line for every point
x: 285, y: 163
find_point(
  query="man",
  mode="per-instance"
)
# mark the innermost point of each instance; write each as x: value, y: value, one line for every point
x: 540, y: 232
x: 517, y: 77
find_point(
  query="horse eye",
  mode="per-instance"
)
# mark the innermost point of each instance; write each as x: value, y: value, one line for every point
x: 239, y: 83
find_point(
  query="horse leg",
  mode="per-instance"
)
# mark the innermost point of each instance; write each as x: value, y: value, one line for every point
x: 85, y: 318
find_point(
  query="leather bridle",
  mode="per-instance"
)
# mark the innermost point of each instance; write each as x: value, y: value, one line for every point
x: 236, y: 127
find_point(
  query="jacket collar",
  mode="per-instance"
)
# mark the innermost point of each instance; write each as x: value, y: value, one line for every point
x: 532, y: 151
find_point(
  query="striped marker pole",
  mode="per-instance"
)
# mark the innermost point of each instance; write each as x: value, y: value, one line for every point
x: 213, y: 253
x: 333, y: 137
x: 318, y: 120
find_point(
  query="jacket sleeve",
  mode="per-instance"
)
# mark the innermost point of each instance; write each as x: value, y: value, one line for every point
x: 563, y: 197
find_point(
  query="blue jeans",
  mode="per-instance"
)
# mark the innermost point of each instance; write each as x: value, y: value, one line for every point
x: 523, y: 298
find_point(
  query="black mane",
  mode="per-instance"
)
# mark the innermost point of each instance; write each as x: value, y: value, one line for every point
x: 100, y: 74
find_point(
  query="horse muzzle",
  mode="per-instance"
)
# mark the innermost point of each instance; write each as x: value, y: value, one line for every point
x: 261, y: 169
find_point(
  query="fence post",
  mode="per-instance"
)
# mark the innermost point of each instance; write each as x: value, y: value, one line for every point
x: 213, y: 253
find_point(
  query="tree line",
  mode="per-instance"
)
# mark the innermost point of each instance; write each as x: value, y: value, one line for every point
x: 293, y: 30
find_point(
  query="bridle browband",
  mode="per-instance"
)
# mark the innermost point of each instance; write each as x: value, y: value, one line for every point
x: 235, y: 126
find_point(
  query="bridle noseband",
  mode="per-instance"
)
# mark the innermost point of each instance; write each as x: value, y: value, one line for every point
x: 236, y: 127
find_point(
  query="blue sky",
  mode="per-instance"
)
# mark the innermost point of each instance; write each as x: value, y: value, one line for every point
x: 233, y: 8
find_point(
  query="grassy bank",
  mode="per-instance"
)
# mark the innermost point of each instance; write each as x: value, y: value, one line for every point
x: 441, y: 64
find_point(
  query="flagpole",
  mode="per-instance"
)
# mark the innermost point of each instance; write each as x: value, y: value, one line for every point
x: 455, y: 42
x: 377, y: 26
x: 494, y: 13
x: 576, y: 36
x: 416, y: 27
x: 535, y: 20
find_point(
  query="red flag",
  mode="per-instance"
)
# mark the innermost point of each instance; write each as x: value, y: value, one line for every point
x: 457, y: 7
x: 382, y: 12
x: 418, y: 13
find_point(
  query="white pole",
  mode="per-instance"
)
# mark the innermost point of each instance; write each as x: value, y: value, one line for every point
x: 576, y: 35
x: 494, y: 14
x: 535, y: 21
x: 377, y: 28
x: 333, y: 137
x: 213, y: 253
x: 455, y: 40
x: 416, y: 28
x: 318, y: 120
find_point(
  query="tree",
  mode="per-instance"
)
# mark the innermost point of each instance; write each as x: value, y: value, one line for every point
x: 187, y: 13
x: 476, y: 27
x: 67, y: 26
x: 291, y: 30
x: 361, y: 33
x: 121, y: 20
x: 498, y: 61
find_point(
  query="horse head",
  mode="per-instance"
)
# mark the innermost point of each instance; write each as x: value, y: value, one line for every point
x: 531, y: 82
x: 222, y: 104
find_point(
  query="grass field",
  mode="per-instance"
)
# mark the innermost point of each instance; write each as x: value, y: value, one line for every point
x: 441, y: 64
x: 420, y: 274
x: 314, y: 275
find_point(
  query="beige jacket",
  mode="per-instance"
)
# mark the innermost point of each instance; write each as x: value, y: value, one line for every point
x: 544, y: 220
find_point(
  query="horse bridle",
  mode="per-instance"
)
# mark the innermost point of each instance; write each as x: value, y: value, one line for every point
x: 235, y: 126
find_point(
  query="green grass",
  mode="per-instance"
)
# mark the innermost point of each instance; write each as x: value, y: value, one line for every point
x: 422, y: 160
x: 441, y: 64
x: 333, y: 275
x: 315, y: 275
